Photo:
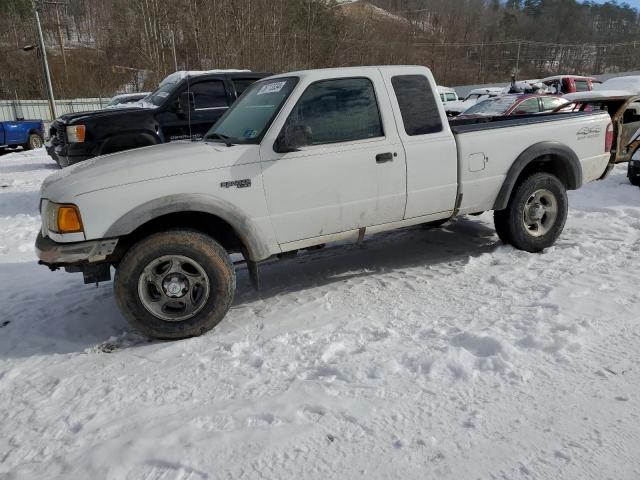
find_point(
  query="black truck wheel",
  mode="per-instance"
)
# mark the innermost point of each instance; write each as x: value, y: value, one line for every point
x: 175, y: 284
x: 633, y: 174
x: 535, y: 215
x: 34, y: 141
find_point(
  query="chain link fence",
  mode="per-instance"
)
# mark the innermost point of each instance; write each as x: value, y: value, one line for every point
x: 39, y: 109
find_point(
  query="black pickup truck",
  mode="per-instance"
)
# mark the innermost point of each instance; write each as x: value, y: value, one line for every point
x: 184, y: 105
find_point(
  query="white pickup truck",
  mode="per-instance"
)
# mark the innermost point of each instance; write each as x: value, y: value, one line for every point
x: 302, y: 159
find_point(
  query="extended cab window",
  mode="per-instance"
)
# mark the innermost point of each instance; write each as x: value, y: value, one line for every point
x: 417, y: 104
x: 210, y: 94
x: 340, y: 110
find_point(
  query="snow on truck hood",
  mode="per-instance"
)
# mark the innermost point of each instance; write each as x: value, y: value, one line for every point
x: 143, y: 164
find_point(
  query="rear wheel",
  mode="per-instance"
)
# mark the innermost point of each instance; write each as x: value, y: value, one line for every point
x: 535, y: 215
x: 175, y: 284
x: 34, y: 141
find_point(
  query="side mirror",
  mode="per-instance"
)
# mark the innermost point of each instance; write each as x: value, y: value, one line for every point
x: 292, y: 137
x: 186, y: 102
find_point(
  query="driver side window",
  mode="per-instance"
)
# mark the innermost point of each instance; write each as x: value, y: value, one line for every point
x: 341, y: 110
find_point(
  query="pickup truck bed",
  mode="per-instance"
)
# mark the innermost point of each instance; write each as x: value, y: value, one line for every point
x: 300, y: 160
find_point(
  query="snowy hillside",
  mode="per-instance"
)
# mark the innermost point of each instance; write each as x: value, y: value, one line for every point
x: 419, y: 354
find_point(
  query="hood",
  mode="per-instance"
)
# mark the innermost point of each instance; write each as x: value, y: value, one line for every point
x: 144, y: 164
x: 80, y: 117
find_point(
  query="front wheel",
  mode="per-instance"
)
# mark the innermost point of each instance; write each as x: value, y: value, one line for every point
x: 175, y: 284
x: 34, y: 141
x: 535, y: 215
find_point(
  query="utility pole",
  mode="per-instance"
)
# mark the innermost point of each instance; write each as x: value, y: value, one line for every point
x: 45, y: 64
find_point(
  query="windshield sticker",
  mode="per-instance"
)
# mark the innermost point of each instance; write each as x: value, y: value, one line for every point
x: 162, y: 94
x: 271, y: 87
x: 249, y: 133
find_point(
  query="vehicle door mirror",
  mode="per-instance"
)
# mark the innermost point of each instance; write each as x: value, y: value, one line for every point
x: 292, y: 137
x: 186, y: 102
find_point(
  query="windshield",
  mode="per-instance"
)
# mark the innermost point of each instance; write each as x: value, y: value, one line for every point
x: 160, y: 94
x: 491, y: 106
x: 251, y: 115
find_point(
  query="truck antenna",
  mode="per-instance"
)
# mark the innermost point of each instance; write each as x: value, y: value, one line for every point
x: 189, y: 109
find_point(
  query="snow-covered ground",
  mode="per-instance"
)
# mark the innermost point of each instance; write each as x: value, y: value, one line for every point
x: 419, y: 354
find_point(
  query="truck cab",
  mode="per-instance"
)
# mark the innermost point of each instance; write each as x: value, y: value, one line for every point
x: 184, y: 106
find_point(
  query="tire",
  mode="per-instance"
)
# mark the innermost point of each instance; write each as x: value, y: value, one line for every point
x: 34, y: 141
x: 633, y: 178
x: 535, y: 215
x: 151, y: 295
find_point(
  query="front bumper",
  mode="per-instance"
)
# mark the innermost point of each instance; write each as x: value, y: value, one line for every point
x: 66, y: 154
x: 54, y: 254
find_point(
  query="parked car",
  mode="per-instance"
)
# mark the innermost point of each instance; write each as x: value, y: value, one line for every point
x: 449, y: 98
x: 563, y: 84
x: 126, y: 99
x: 624, y: 108
x: 513, y: 104
x: 25, y: 133
x: 483, y: 93
x: 184, y: 105
x: 303, y: 159
x: 474, y: 96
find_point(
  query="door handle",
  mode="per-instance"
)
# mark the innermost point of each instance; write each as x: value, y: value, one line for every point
x: 384, y: 157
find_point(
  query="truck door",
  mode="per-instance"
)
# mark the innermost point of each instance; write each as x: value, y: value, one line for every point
x: 431, y: 153
x: 208, y: 101
x: 351, y: 173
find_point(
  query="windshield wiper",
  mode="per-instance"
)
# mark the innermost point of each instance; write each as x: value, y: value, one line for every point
x: 224, y: 138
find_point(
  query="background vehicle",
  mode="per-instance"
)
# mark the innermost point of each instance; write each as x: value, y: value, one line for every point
x: 474, y: 96
x: 624, y: 108
x: 25, y: 133
x: 126, y: 99
x: 563, y: 84
x: 184, y: 105
x: 510, y: 104
x: 452, y: 104
x: 303, y: 159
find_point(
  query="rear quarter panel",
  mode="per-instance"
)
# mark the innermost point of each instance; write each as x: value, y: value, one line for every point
x: 502, y: 146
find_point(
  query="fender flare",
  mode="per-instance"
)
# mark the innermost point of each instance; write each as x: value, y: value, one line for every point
x: 569, y: 161
x: 147, y: 135
x: 246, y: 230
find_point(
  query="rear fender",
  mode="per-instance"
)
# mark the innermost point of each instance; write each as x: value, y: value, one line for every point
x: 553, y: 151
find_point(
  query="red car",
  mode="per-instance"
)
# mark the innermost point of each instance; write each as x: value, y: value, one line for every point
x: 570, y: 83
x: 513, y: 104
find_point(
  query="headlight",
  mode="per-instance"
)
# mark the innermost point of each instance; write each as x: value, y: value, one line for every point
x: 63, y: 218
x: 75, y: 133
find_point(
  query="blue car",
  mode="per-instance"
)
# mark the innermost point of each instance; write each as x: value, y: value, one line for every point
x: 26, y: 133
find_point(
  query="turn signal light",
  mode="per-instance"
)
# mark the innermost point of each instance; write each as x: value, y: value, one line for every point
x: 75, y: 133
x: 69, y: 220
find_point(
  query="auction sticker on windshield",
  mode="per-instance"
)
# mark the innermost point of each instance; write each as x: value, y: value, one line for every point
x: 271, y: 87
